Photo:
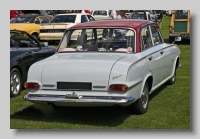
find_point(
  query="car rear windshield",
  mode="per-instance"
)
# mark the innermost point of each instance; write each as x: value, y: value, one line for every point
x: 97, y: 39
x: 63, y: 19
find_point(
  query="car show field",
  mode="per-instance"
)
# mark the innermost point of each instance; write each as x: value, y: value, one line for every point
x: 169, y: 106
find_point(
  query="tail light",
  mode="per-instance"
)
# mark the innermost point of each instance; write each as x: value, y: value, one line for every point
x: 119, y: 87
x: 31, y: 85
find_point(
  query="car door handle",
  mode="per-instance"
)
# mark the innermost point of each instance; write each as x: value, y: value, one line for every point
x: 150, y: 58
x: 162, y: 52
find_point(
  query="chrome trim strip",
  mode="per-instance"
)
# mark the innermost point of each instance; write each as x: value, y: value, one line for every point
x: 48, y: 85
x: 99, y: 86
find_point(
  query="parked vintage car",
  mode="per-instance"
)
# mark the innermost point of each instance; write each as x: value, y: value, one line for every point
x: 139, y: 14
x: 101, y: 14
x: 122, y: 66
x: 56, y: 27
x: 29, y: 23
x: 179, y: 25
x: 24, y: 51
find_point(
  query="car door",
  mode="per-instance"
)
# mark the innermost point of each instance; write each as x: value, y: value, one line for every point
x: 153, y: 55
x: 168, y: 56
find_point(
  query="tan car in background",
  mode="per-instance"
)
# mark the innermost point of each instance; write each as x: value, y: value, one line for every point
x: 53, y: 31
x: 29, y: 23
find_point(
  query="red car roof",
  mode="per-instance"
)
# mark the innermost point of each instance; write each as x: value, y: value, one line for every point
x: 119, y: 23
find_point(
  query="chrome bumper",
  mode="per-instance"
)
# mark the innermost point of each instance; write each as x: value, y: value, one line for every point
x: 123, y: 101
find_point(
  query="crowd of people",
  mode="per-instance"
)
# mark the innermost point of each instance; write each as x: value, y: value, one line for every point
x: 113, y: 13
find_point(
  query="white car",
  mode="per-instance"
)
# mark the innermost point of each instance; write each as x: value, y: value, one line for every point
x: 101, y: 14
x: 55, y: 28
x: 111, y: 62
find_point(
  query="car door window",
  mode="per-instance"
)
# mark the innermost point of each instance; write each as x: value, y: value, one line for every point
x: 44, y: 20
x: 146, y: 38
x: 156, y: 35
x: 83, y: 19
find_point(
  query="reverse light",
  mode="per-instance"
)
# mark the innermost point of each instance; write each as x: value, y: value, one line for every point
x: 119, y: 87
x: 31, y: 85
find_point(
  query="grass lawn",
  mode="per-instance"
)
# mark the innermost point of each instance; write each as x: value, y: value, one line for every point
x: 169, y: 107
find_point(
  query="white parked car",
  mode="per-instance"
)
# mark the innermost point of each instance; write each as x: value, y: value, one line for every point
x: 111, y: 62
x: 101, y: 14
x: 55, y: 28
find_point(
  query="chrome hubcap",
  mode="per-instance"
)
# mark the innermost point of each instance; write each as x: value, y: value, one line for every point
x: 15, y: 83
x: 145, y: 97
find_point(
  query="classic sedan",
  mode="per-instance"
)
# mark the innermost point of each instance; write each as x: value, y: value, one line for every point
x: 24, y: 51
x: 29, y: 23
x: 56, y: 27
x: 121, y: 65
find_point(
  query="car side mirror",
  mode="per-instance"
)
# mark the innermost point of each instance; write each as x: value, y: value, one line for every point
x: 177, y: 39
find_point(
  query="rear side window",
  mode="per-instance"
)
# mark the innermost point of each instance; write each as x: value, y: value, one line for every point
x: 156, y: 35
x: 146, y: 38
x: 181, y: 14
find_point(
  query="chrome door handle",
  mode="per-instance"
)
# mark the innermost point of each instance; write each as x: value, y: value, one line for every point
x: 150, y: 58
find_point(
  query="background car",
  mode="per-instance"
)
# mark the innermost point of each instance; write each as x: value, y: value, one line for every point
x: 111, y: 62
x: 29, y: 23
x: 101, y: 14
x: 24, y: 51
x: 179, y: 25
x: 55, y: 28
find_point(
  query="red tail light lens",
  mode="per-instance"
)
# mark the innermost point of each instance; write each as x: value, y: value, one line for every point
x: 31, y: 85
x: 119, y: 87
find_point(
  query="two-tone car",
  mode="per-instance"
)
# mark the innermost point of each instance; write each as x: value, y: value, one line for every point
x: 24, y: 51
x: 29, y: 23
x: 120, y: 62
x: 54, y: 30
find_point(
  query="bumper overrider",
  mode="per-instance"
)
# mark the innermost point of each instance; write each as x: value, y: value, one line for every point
x: 75, y: 99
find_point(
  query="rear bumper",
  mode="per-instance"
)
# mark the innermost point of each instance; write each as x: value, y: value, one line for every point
x: 183, y: 36
x: 51, y: 36
x: 62, y: 100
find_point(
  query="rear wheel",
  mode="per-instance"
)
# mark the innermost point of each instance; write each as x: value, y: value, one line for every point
x: 35, y: 35
x: 141, y: 105
x: 15, y: 83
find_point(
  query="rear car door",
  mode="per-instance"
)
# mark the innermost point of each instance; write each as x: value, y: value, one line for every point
x: 153, y: 55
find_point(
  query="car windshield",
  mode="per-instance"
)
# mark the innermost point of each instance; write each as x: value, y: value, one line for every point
x: 63, y: 19
x: 21, y: 20
x: 97, y: 39
x: 103, y: 13
x: 17, y: 38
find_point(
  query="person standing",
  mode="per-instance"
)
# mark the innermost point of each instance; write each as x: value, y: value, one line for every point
x: 122, y: 15
x: 160, y: 17
x: 113, y: 14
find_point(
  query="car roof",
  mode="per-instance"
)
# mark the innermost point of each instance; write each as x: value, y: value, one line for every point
x: 118, y: 23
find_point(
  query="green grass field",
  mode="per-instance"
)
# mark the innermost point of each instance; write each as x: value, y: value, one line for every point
x: 169, y: 107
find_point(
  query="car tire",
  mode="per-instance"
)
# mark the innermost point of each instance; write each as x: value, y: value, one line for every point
x: 15, y: 83
x: 173, y: 79
x: 171, y: 39
x: 141, y: 105
x: 35, y: 35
